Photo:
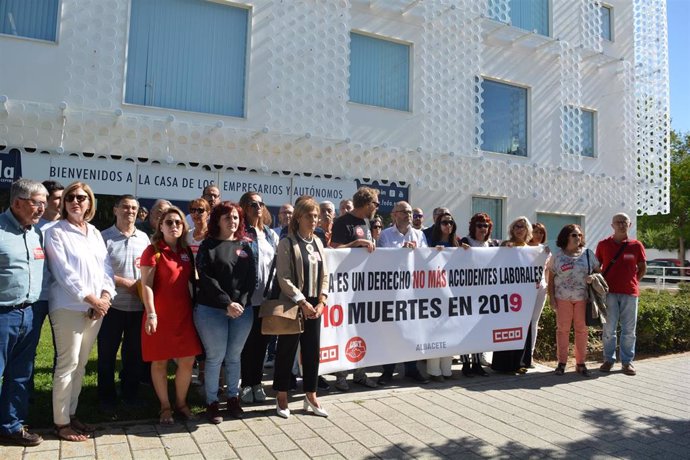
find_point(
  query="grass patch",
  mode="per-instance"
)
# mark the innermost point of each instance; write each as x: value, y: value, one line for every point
x: 40, y: 408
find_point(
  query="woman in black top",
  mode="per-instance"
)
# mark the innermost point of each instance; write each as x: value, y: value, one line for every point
x: 223, y: 316
x: 302, y: 274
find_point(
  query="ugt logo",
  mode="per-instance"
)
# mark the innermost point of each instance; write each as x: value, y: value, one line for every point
x: 507, y: 335
x: 355, y: 349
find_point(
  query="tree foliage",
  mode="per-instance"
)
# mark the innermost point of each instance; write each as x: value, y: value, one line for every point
x: 672, y: 231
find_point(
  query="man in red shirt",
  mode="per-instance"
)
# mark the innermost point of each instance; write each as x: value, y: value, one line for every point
x: 624, y: 264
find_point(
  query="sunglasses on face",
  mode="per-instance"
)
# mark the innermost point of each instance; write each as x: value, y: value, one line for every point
x: 446, y: 222
x: 417, y: 216
x: 173, y: 223
x: 576, y: 235
x: 72, y: 196
x: 197, y: 210
x: 257, y: 204
x: 483, y: 225
x: 211, y: 195
x: 376, y: 204
x: 377, y: 227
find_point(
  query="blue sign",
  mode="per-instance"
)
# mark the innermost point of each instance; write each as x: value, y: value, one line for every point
x: 10, y: 168
x: 389, y: 193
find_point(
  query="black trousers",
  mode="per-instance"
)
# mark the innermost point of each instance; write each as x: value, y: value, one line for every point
x: 309, y: 341
x: 120, y: 327
x: 253, y: 353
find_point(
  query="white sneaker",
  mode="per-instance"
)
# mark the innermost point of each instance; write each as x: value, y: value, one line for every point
x: 259, y: 393
x: 247, y: 395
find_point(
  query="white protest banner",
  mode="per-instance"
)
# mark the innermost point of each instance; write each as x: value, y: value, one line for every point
x: 396, y: 305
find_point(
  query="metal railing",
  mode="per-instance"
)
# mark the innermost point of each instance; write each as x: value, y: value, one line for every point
x: 664, y: 276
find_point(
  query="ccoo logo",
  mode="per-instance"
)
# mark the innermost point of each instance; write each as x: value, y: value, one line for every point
x: 355, y: 349
x: 507, y: 335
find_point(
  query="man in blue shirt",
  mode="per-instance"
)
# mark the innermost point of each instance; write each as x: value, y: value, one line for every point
x: 21, y: 274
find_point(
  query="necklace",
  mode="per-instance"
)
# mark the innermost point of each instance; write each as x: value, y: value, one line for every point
x: 309, y: 247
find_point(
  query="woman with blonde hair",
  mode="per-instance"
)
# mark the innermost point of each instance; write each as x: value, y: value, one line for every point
x: 199, y: 210
x: 513, y: 361
x: 167, y: 268
x: 80, y: 295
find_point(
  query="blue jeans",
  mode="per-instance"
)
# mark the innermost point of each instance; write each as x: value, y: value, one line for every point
x: 620, y: 308
x: 223, y: 338
x: 18, y: 340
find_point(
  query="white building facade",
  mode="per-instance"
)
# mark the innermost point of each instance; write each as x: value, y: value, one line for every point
x: 553, y: 109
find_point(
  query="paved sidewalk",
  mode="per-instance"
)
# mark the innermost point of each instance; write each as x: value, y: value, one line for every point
x: 537, y: 415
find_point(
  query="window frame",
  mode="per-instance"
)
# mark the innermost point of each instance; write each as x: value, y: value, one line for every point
x: 58, y: 17
x: 502, y: 227
x: 528, y: 115
x: 549, y: 19
x: 247, y: 58
x: 410, y: 70
x: 612, y: 35
x: 594, y: 131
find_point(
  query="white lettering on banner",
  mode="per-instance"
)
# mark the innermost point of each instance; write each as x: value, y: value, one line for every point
x: 403, y: 305
x: 173, y: 183
x: 104, y: 177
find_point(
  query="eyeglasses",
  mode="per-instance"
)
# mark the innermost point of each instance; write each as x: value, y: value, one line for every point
x: 34, y: 203
x: 376, y: 204
x: 417, y: 216
x: 257, y: 204
x: 173, y: 223
x: 483, y: 225
x: 80, y: 198
x: 446, y: 222
x: 404, y: 212
x: 576, y: 235
x: 197, y: 210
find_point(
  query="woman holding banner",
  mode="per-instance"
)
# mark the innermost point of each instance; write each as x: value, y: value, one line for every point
x: 479, y: 236
x: 538, y: 239
x: 513, y: 361
x: 302, y: 274
x: 570, y: 270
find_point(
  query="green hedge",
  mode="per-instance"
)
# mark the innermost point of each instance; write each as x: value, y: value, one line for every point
x: 663, y: 326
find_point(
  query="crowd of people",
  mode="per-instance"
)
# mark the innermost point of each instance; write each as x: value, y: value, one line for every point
x: 189, y: 288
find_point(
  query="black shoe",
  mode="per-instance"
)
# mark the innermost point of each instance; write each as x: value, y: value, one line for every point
x: 385, y: 379
x: 213, y: 413
x: 417, y: 377
x: 467, y: 370
x: 560, y: 369
x: 22, y: 438
x: 322, y: 384
x: 477, y: 369
x: 234, y: 408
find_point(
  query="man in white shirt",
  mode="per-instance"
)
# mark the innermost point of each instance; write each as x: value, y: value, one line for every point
x: 402, y: 235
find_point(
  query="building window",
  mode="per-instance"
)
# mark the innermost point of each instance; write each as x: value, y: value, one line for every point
x: 379, y: 72
x: 494, y: 208
x: 532, y: 15
x: 504, y: 118
x: 606, y: 24
x: 187, y: 55
x: 587, y: 121
x: 30, y: 18
x: 554, y: 223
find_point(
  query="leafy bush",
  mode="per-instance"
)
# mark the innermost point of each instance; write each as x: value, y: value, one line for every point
x: 663, y: 326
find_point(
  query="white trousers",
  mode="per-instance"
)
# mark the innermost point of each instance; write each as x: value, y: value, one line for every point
x: 440, y: 366
x: 75, y: 335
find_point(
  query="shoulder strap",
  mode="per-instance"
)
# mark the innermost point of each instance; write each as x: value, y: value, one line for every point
x: 589, y: 267
x: 615, y: 258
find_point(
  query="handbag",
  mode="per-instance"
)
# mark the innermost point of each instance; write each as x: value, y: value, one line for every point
x: 278, y: 316
x: 591, y: 312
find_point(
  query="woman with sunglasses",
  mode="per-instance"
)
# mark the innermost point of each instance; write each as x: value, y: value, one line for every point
x: 538, y: 239
x: 79, y: 298
x: 167, y: 268
x: 479, y: 236
x: 199, y: 210
x: 443, y: 236
x: 263, y: 243
x: 569, y: 271
x: 223, y: 316
x: 376, y: 226
x: 513, y: 361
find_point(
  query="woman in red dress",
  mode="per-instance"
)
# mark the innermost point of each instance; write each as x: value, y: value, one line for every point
x: 167, y: 266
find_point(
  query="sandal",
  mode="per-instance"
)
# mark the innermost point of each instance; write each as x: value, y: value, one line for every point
x: 560, y: 370
x: 184, y: 413
x: 582, y: 370
x: 68, y: 433
x: 81, y: 427
x: 166, y: 416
